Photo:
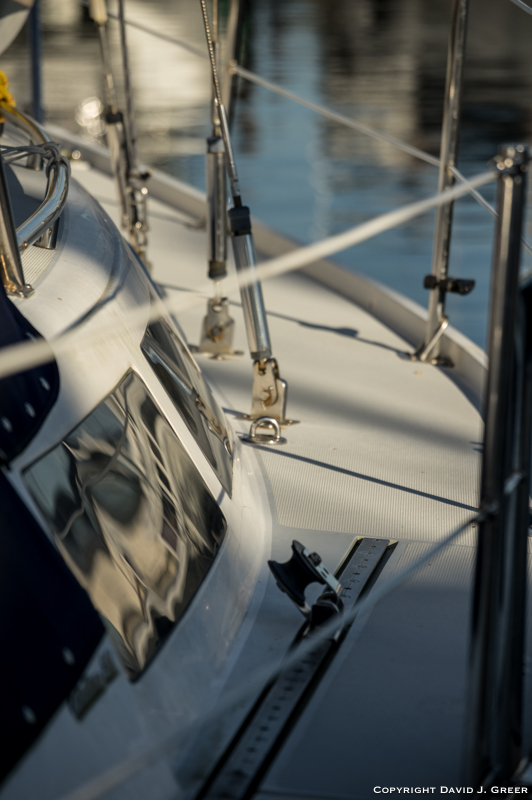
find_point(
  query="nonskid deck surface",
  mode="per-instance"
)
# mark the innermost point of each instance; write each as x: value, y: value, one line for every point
x: 384, y: 448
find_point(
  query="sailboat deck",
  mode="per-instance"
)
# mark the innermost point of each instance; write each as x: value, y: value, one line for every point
x: 385, y: 448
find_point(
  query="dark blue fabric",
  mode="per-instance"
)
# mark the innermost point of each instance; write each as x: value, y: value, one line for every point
x: 35, y: 389
x: 43, y: 610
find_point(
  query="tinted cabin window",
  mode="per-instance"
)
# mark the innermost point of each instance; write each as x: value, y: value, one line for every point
x: 180, y: 377
x: 132, y: 518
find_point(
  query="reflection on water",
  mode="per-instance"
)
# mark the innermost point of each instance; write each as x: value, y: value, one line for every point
x: 380, y: 61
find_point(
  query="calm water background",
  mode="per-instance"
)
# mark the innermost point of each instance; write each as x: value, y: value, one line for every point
x: 381, y: 61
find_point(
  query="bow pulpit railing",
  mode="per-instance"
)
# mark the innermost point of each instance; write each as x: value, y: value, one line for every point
x: 41, y: 227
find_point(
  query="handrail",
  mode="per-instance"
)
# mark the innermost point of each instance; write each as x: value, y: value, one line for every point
x: 57, y: 188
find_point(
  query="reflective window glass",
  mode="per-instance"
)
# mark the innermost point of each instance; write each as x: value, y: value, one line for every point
x: 191, y: 396
x: 131, y: 516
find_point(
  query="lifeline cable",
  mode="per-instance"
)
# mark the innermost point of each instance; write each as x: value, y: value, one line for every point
x: 349, y: 122
x: 126, y: 769
x: 25, y: 355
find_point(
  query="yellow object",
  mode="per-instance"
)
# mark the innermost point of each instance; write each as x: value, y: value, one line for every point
x: 5, y: 95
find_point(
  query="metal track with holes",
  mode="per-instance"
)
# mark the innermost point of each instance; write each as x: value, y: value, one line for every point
x: 249, y: 755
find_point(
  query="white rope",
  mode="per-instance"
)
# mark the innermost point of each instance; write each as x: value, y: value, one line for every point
x: 25, y: 355
x: 523, y: 6
x: 129, y: 767
x: 359, y: 126
x: 313, y: 252
x: 484, y: 203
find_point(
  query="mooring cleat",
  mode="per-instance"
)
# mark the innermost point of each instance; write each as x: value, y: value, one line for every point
x: 295, y: 575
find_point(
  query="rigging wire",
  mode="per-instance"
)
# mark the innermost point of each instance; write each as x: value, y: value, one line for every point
x: 366, y: 129
x: 39, y: 351
x: 25, y: 355
x: 484, y: 203
x: 130, y: 114
x: 224, y: 124
x: 349, y: 122
x: 333, y: 115
x: 126, y: 769
x: 523, y: 6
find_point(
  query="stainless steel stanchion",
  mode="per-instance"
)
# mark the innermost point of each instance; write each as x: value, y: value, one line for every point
x: 438, y: 282
x: 493, y: 743
x: 129, y: 179
x: 11, y: 271
x: 136, y: 193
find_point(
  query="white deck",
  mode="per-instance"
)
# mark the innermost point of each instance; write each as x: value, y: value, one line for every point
x: 385, y: 448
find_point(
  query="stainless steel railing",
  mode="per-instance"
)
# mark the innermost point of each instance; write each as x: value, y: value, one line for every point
x: 494, y: 719
x: 40, y: 226
x: 11, y: 272
x: 56, y: 191
x: 495, y: 693
x: 440, y: 285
